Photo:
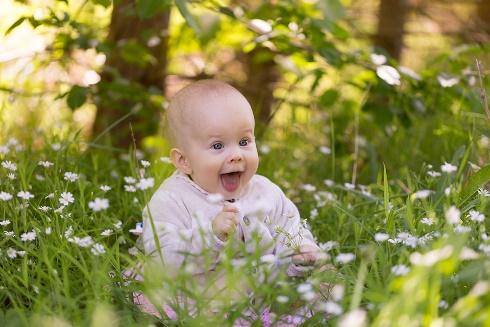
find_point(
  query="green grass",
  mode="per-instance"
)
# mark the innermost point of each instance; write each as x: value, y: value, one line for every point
x: 55, y: 279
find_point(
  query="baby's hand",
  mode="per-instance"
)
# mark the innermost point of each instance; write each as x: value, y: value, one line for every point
x: 224, y: 224
x: 307, y: 256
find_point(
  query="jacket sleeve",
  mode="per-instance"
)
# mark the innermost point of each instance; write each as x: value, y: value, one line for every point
x: 179, y: 236
x: 290, y: 232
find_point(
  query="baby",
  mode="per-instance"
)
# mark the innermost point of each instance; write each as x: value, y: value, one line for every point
x: 215, y: 196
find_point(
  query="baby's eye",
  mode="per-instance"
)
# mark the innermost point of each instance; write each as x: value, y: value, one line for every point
x: 217, y: 146
x: 244, y: 142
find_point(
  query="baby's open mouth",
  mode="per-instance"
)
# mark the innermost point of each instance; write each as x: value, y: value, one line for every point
x: 231, y: 181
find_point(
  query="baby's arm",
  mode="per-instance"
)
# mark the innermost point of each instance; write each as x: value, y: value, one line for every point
x: 177, y: 233
x: 292, y: 236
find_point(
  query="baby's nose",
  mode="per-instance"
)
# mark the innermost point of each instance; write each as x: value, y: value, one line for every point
x: 236, y: 156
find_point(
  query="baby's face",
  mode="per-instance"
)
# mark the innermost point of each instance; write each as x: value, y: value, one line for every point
x: 220, y: 145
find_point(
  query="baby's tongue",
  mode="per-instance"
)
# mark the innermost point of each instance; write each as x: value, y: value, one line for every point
x: 230, y: 181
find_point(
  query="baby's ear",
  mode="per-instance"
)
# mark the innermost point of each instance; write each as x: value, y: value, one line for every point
x: 180, y: 161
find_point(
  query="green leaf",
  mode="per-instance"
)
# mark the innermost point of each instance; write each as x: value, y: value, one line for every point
x: 103, y: 3
x: 148, y: 8
x: 475, y: 181
x: 15, y: 24
x: 77, y: 96
x: 329, y: 98
x: 184, y: 11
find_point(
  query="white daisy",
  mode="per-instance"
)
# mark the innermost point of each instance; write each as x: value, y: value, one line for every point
x: 145, y: 183
x: 66, y: 198
x: 476, y: 216
x: 105, y: 188
x: 9, y: 165
x: 71, y: 177
x: 4, y: 196
x: 26, y: 195
x: 98, y: 204
x: 29, y: 236
x: 448, y: 168
x: 97, y: 249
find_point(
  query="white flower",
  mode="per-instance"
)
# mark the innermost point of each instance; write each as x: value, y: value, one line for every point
x: 443, y: 304
x: 282, y: 299
x: 378, y: 59
x: 460, y: 229
x: 328, y: 182
x: 452, y: 215
x: 68, y: 232
x: 260, y: 26
x: 9, y: 233
x: 215, y: 198
x: 98, y: 204
x: 380, y: 237
x: 105, y: 188
x: 97, y: 249
x: 447, y: 191
x: 133, y: 250
x: 118, y: 224
x: 11, y: 253
x: 264, y: 149
x: 40, y: 177
x: 145, y: 183
x: 476, y: 216
x: 45, y: 164
x: 83, y: 242
x: 400, y: 270
x: 433, y: 173
x: 483, y: 192
x: 304, y: 287
x: 448, y: 168
x: 327, y: 246
x: 11, y: 176
x: 308, y: 296
x: 431, y: 257
x: 314, y: 213
x: 5, y: 222
x: 48, y: 230
x: 329, y: 307
x: 71, y: 177
x: 4, y: 196
x: 166, y: 160
x: 43, y: 208
x: 345, y: 257
x: 427, y: 221
x: 388, y: 74
x: 337, y: 292
x: 129, y: 188
x: 106, y: 232
x: 66, y: 198
x: 447, y: 81
x: 56, y: 146
x: 129, y: 180
x: 325, y: 150
x: 9, y: 165
x: 349, y: 186
x: 355, y: 318
x: 422, y: 194
x: 29, y: 236
x: 4, y: 149
x: 409, y: 72
x: 308, y: 187
x: 145, y: 163
x: 26, y: 195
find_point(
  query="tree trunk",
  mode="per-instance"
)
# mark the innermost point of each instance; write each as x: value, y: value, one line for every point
x: 391, y: 22
x: 262, y: 75
x: 126, y: 83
